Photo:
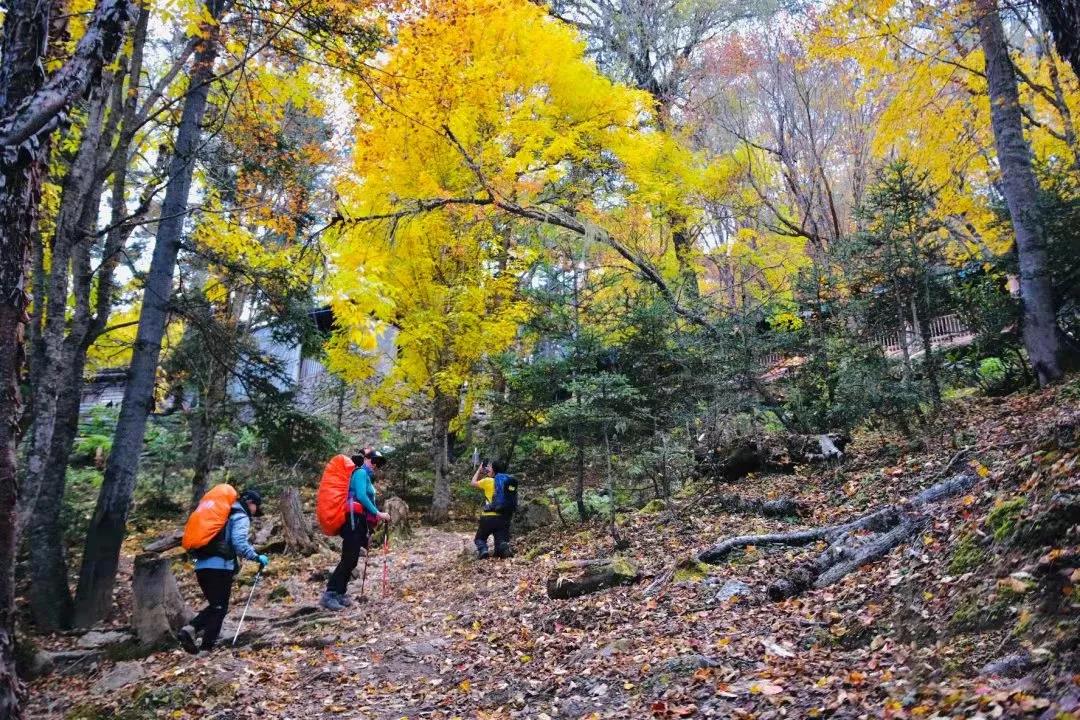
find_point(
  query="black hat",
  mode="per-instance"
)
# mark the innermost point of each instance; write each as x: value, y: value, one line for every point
x: 376, y: 457
x: 253, y: 496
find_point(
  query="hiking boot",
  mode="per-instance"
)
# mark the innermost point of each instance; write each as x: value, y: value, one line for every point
x: 329, y: 601
x: 343, y: 599
x: 186, y: 636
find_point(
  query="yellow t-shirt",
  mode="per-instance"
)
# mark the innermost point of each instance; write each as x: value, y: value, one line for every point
x: 487, y: 484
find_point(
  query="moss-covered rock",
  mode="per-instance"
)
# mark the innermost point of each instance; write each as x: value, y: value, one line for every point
x: 534, y: 552
x: 1001, y: 521
x: 536, y: 513
x: 974, y: 613
x: 1051, y: 524
x: 966, y: 555
x: 653, y: 507
x: 691, y: 570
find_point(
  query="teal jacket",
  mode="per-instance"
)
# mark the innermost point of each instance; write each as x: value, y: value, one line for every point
x: 362, y: 490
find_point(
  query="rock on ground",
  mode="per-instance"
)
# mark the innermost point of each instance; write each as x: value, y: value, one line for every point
x: 123, y: 674
x: 731, y: 589
x: 102, y: 638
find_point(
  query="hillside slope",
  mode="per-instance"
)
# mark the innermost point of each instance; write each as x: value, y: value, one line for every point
x: 976, y: 616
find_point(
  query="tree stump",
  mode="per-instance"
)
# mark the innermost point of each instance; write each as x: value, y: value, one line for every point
x: 580, y: 577
x: 398, y: 510
x: 159, y: 610
x: 295, y: 525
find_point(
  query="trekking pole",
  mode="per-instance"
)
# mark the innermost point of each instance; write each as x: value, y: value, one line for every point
x: 246, y: 606
x: 363, y: 575
x: 385, y: 550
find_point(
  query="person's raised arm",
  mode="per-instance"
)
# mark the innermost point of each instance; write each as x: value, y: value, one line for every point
x: 475, y: 482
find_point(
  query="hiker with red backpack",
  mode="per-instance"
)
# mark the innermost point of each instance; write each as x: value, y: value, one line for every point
x: 344, y: 506
x: 216, y: 534
x: 500, y: 496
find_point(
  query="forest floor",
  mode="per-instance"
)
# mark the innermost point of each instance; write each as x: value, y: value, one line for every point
x: 976, y: 617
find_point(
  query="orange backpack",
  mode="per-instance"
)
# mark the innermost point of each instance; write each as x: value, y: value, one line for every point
x: 211, y: 515
x: 333, y: 494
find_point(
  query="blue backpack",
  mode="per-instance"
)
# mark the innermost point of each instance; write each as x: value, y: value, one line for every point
x: 504, y: 500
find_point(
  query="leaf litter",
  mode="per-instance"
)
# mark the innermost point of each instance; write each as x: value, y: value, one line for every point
x: 976, y: 617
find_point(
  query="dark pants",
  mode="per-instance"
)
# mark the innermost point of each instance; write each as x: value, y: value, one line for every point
x: 216, y: 587
x: 352, y: 540
x: 497, y: 525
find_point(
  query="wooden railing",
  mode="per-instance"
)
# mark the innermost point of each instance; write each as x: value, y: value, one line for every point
x: 945, y: 331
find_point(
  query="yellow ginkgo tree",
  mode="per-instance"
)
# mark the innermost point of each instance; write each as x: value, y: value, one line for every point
x: 483, y: 118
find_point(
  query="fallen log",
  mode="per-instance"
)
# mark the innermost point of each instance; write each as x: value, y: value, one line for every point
x: 574, y: 578
x: 728, y: 459
x: 850, y: 544
x: 165, y: 542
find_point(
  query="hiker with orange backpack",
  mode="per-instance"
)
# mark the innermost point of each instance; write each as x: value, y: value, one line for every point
x: 351, y: 519
x: 217, y: 535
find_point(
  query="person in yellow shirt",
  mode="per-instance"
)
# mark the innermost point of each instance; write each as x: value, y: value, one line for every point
x: 497, y: 512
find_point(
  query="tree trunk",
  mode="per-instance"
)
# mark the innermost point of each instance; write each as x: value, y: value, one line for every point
x: 930, y: 360
x: 50, y: 598
x: 108, y: 524
x: 22, y: 166
x: 78, y: 191
x: 30, y: 111
x: 213, y: 394
x: 902, y: 334
x: 1064, y: 18
x: 204, y: 426
x: 51, y: 603
x: 579, y: 482
x: 684, y: 255
x: 445, y: 407
x: 297, y: 529
x: 1022, y: 196
x: 159, y: 610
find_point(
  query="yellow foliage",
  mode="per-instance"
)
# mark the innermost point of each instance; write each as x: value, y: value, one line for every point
x: 483, y: 102
x: 925, y: 62
x: 113, y: 348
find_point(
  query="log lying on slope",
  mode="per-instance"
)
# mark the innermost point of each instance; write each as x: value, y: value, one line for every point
x: 726, y: 459
x: 168, y: 541
x: 574, y: 578
x: 850, y: 544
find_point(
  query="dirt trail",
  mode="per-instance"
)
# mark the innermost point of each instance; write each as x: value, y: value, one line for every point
x: 373, y: 653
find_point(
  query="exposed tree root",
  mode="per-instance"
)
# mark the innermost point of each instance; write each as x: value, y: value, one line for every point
x: 850, y: 544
